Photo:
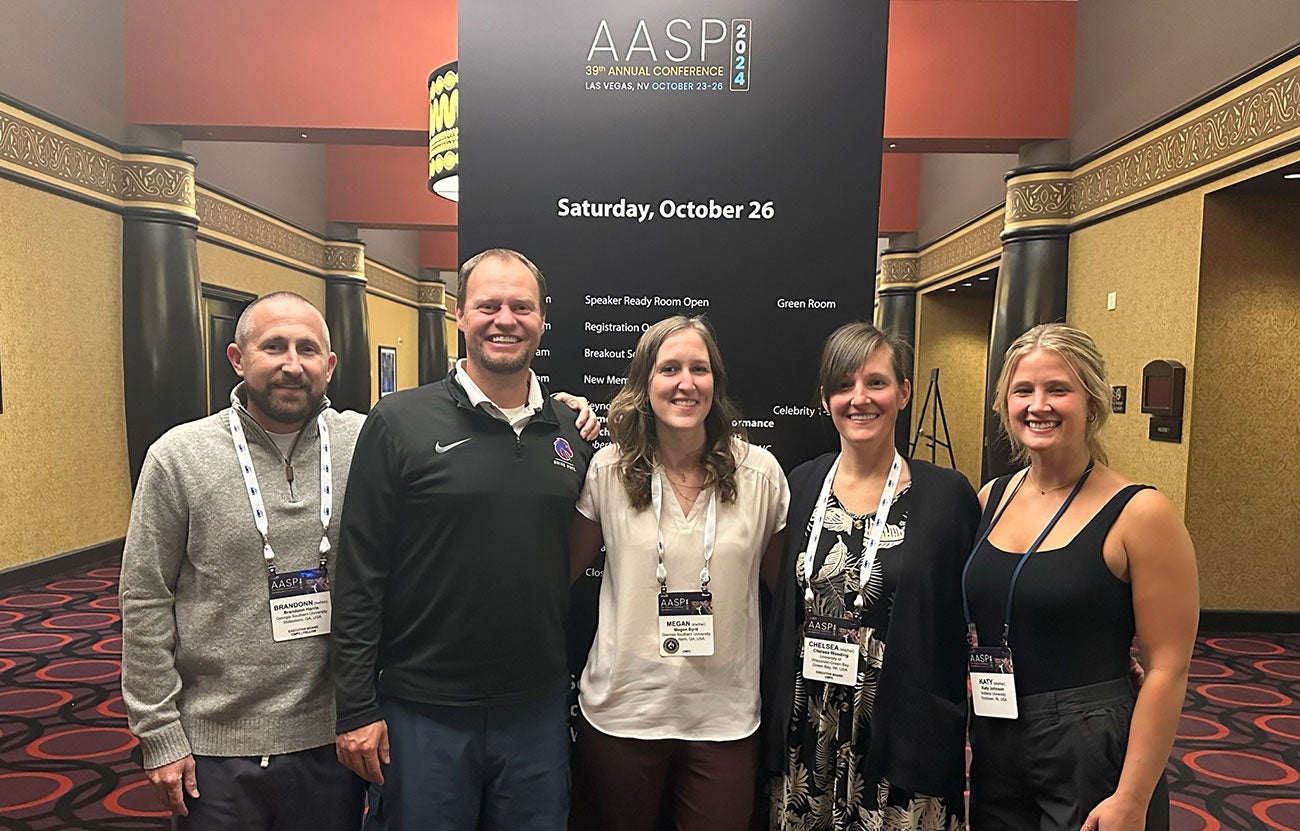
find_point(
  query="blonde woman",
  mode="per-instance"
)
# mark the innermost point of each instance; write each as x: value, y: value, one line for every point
x: 1073, y: 560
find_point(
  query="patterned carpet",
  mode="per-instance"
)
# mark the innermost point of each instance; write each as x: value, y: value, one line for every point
x: 65, y: 750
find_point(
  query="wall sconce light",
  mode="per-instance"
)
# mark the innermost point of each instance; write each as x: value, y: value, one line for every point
x: 444, y: 131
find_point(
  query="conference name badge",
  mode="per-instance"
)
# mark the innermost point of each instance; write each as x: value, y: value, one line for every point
x: 830, y: 650
x: 685, y: 624
x: 300, y: 604
x: 993, y: 682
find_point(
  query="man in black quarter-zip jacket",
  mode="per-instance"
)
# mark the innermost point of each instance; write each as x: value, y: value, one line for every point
x: 448, y: 647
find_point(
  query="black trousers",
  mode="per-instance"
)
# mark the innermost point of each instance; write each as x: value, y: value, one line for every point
x: 1046, y: 770
x: 304, y: 791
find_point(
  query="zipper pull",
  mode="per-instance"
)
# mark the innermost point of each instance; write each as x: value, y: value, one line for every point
x: 266, y: 761
x: 288, y: 471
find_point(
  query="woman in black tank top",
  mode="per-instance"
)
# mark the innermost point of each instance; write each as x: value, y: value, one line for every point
x: 1073, y: 561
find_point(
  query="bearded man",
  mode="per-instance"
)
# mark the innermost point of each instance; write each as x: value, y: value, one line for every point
x: 225, y: 592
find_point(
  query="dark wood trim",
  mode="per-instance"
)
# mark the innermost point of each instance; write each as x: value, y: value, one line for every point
x: 1226, y: 621
x: 38, y: 570
x: 223, y: 293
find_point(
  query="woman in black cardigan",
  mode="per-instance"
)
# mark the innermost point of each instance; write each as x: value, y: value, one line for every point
x: 864, y: 680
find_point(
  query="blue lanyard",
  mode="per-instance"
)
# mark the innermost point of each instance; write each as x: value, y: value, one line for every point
x: 1015, y: 575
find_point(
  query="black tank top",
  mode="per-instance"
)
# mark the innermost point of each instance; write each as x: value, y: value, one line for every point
x: 1071, y: 619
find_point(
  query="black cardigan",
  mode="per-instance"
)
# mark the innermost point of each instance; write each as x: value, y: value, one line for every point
x: 918, y: 726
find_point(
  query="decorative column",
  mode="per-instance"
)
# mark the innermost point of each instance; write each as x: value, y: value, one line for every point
x: 349, y: 322
x: 432, y: 302
x: 896, y: 295
x: 163, y: 364
x: 1032, y: 281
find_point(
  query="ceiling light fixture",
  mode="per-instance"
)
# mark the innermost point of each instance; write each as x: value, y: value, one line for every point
x: 444, y: 132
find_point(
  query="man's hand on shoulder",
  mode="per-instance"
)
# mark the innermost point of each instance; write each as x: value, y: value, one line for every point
x: 361, y: 751
x: 172, y: 782
x: 588, y: 425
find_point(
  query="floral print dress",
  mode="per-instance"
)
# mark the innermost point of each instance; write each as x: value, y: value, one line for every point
x: 830, y: 726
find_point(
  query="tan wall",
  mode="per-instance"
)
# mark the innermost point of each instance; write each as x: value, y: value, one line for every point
x: 1243, y: 480
x: 453, y: 331
x: 1150, y: 258
x: 220, y: 266
x: 64, y: 482
x: 396, y: 325
x: 953, y: 335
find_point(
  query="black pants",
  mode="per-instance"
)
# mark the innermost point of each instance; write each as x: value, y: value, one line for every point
x: 304, y: 791
x: 1046, y: 770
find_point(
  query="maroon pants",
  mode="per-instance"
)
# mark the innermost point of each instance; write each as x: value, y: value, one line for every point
x: 708, y: 786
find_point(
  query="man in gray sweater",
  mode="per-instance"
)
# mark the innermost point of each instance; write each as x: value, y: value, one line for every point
x: 226, y: 586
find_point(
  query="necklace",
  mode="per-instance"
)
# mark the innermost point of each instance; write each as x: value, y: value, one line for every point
x: 1041, y: 490
x: 681, y: 475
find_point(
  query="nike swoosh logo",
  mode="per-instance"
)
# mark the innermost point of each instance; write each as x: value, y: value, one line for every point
x: 443, y: 448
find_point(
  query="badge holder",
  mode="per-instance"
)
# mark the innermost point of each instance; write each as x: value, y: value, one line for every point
x: 300, y: 604
x: 830, y: 650
x: 992, y: 680
x: 685, y: 624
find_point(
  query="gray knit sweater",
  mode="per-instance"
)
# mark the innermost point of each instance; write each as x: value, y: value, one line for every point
x: 200, y: 671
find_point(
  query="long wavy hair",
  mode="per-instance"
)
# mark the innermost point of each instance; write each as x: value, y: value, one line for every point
x: 632, y: 424
x: 1084, y: 359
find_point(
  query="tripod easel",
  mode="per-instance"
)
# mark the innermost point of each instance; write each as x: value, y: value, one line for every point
x: 937, y: 417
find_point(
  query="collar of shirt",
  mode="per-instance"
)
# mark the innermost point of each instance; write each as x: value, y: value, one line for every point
x: 478, y: 398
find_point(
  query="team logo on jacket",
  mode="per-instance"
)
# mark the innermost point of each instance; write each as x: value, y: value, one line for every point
x: 563, y: 455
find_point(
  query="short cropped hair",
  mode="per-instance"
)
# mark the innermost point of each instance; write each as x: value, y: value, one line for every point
x: 462, y: 279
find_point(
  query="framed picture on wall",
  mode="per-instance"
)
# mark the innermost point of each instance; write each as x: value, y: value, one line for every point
x: 387, y: 370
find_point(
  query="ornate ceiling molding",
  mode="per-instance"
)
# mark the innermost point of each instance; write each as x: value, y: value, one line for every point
x: 36, y: 148
x: 247, y: 229
x: 899, y: 270
x: 384, y: 281
x: 345, y: 259
x: 432, y: 295
x: 1259, y: 116
x: 976, y: 243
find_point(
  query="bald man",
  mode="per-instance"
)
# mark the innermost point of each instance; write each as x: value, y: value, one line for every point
x: 227, y: 577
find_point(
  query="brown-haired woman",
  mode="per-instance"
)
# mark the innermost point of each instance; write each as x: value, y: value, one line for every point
x: 1073, y: 560
x: 686, y: 510
x: 863, y: 683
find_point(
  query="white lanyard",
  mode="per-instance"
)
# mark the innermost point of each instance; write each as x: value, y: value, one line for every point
x: 710, y: 533
x: 255, y: 492
x: 871, y: 543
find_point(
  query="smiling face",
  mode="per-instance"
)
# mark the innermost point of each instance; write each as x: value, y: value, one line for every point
x: 865, y: 405
x: 501, y: 316
x: 681, y: 384
x: 284, y: 362
x: 1047, y: 407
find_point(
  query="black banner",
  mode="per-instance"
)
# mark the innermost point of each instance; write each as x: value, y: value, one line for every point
x: 718, y: 158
